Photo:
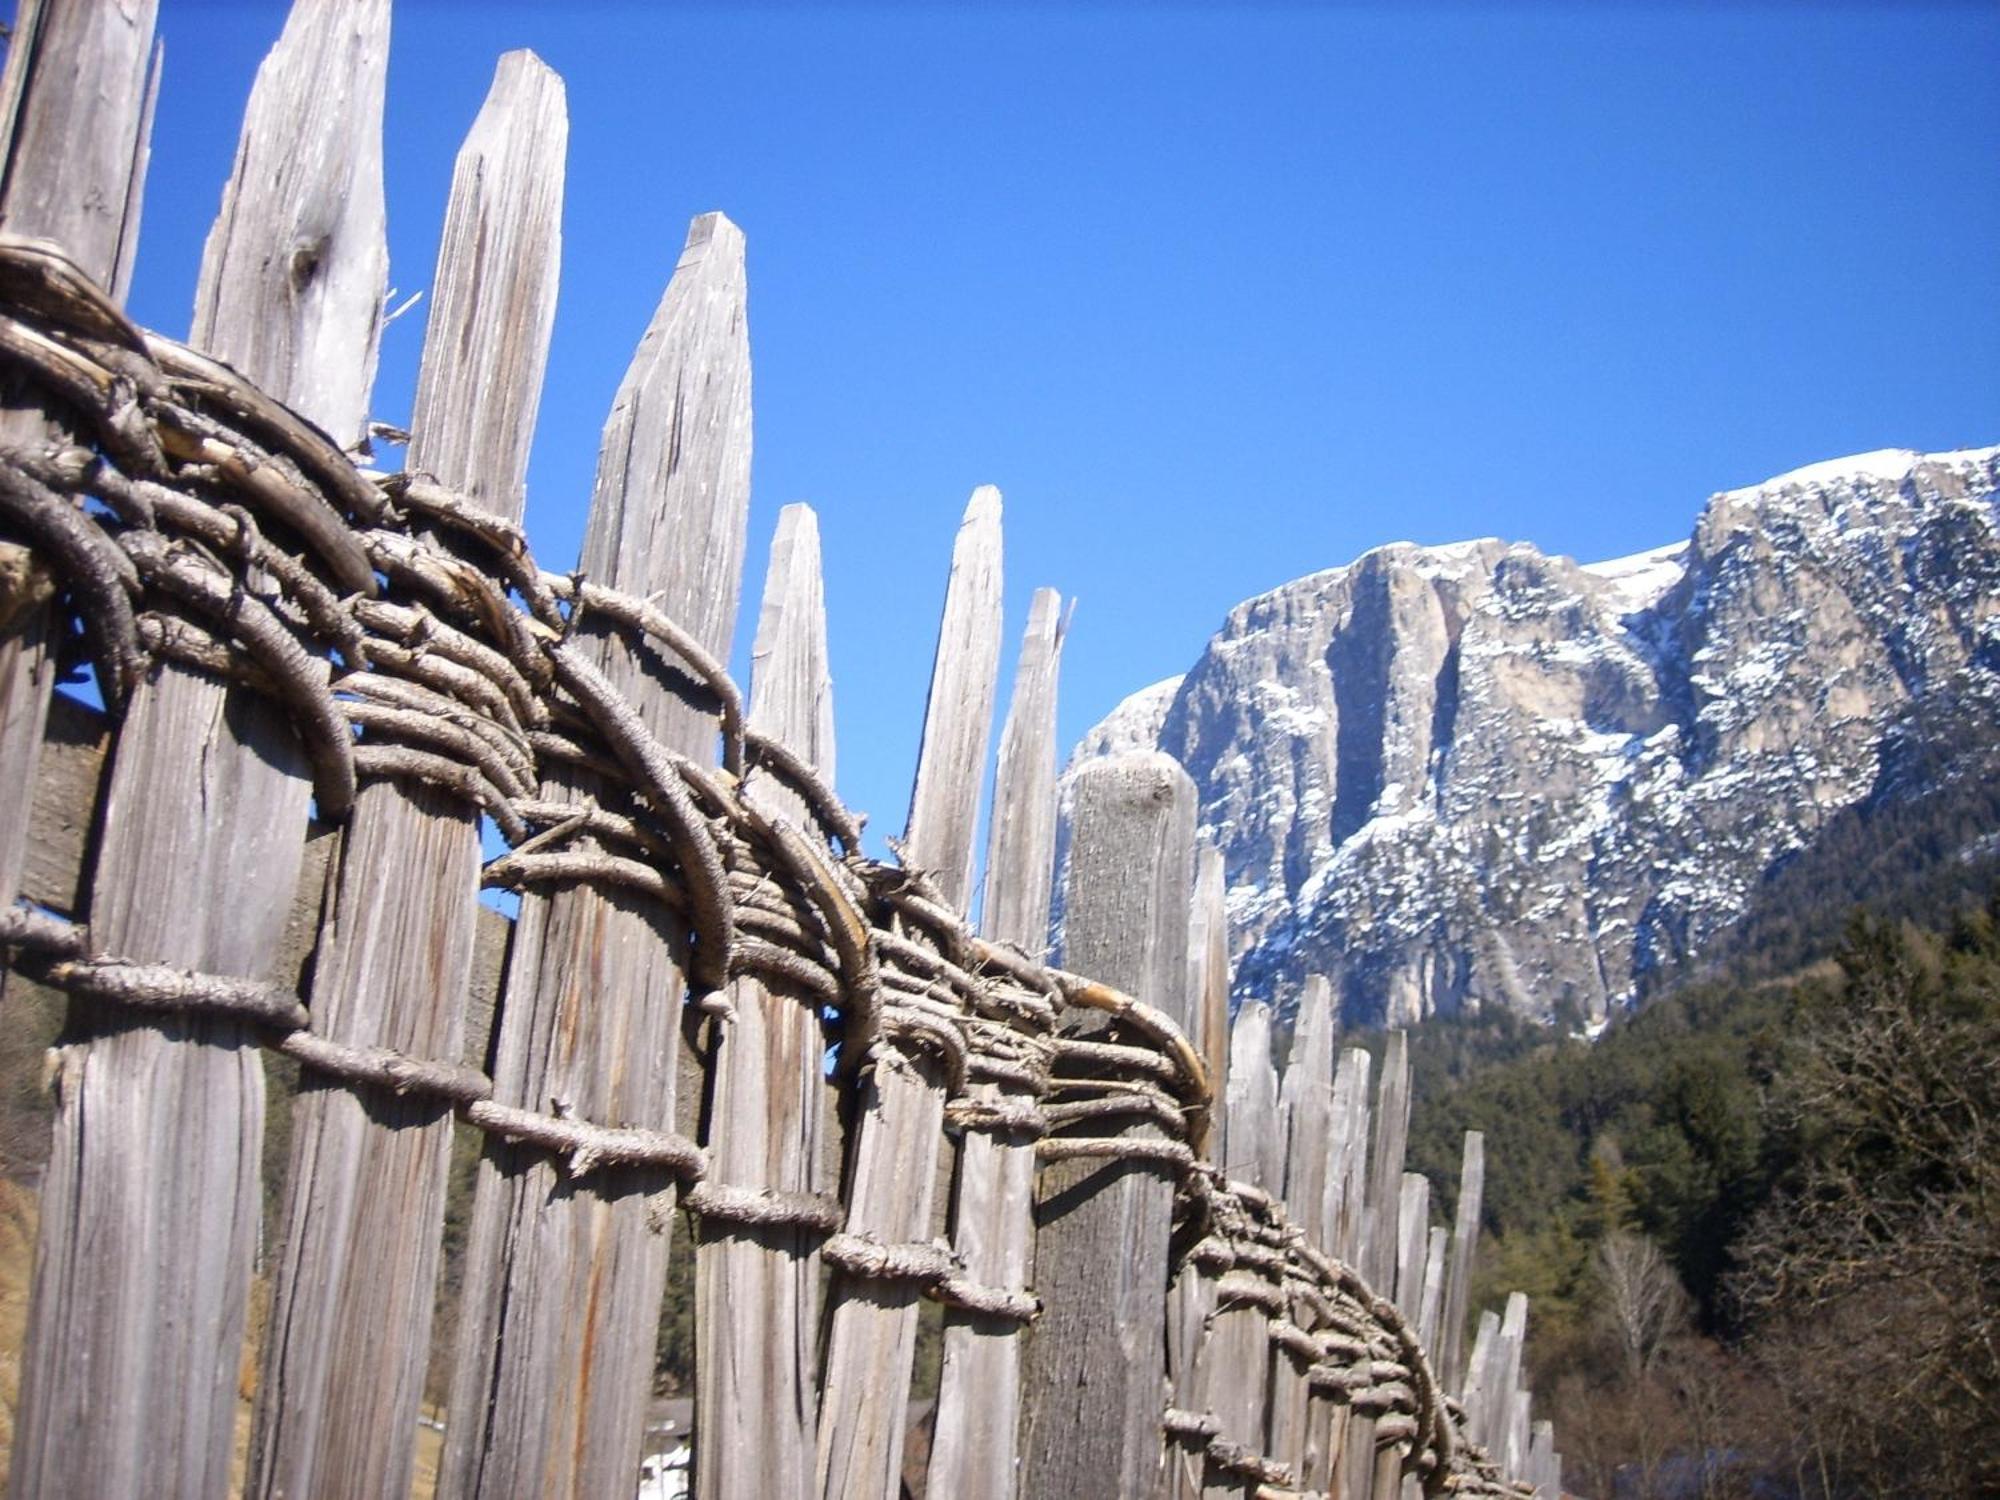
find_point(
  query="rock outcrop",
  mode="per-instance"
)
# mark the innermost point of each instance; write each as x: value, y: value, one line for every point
x: 1475, y: 775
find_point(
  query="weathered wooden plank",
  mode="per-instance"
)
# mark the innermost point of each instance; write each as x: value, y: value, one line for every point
x: 979, y: 1391
x: 1253, y: 1152
x: 757, y: 1287
x: 893, y: 1151
x: 1192, y: 1300
x: 1464, y: 1250
x: 1208, y: 971
x: 1347, y: 1160
x: 75, y: 108
x: 958, y: 715
x: 1385, y: 1173
x: 563, y: 1279
x: 346, y: 1350
x: 1092, y: 1381
x: 1481, y: 1376
x: 1307, y: 1094
x: 1412, y: 1241
x: 1426, y: 1310
x: 153, y: 1189
x: 1235, y: 1359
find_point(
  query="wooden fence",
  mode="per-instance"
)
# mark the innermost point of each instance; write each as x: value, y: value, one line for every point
x: 712, y: 1002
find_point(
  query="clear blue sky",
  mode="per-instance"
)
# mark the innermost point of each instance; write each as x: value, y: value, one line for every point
x: 1216, y: 295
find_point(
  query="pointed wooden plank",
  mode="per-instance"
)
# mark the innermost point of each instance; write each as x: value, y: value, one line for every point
x: 1236, y: 1354
x: 958, y: 715
x: 979, y: 1392
x: 1426, y: 1311
x: 1412, y: 1241
x: 1307, y: 1096
x: 1464, y: 1250
x: 1252, y: 1151
x: 1481, y: 1375
x: 1208, y: 969
x: 347, y: 1346
x: 1385, y: 1173
x: 1020, y: 855
x: 294, y: 270
x: 757, y: 1287
x: 1346, y: 1175
x: 153, y: 1191
x: 893, y: 1152
x: 1093, y: 1376
x: 75, y: 107
x: 563, y: 1279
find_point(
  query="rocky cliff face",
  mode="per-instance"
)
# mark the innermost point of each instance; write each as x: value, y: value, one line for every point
x: 1476, y: 775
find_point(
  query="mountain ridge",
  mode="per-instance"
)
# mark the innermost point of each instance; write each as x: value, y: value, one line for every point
x: 1451, y: 777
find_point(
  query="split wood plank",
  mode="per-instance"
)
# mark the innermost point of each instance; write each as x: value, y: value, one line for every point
x: 979, y: 1390
x: 76, y: 111
x: 1385, y: 1173
x: 1192, y: 1299
x: 1306, y: 1093
x: 564, y: 1277
x: 1412, y: 1241
x: 1236, y: 1354
x: 1340, y: 1229
x: 958, y: 714
x: 349, y: 1337
x: 892, y: 1163
x: 757, y: 1286
x: 1092, y: 1384
x: 152, y: 1199
x: 1426, y: 1310
x: 1464, y: 1250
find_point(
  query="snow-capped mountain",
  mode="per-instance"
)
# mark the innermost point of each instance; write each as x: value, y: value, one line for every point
x: 1478, y: 775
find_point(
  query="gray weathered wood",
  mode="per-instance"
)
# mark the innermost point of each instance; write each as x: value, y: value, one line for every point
x: 893, y: 1151
x: 153, y: 1186
x: 1252, y: 1150
x: 295, y: 268
x: 1208, y: 973
x: 75, y: 109
x: 958, y: 715
x: 757, y: 1288
x: 346, y: 1350
x: 979, y: 1391
x: 1347, y: 1159
x: 1464, y: 1249
x: 1481, y: 1375
x: 563, y: 1279
x: 1412, y: 1241
x: 1236, y: 1355
x: 1385, y: 1172
x: 1093, y: 1375
x: 1292, y: 1436
x: 1426, y: 1311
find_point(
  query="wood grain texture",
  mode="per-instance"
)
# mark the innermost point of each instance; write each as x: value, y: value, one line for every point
x: 563, y: 1278
x: 75, y: 112
x: 958, y: 714
x: 1306, y: 1094
x: 1236, y: 1356
x: 295, y: 268
x: 1412, y: 1240
x: 349, y: 1336
x: 1340, y: 1220
x: 894, y: 1148
x: 757, y: 1288
x: 979, y: 1390
x: 1093, y: 1373
x: 1464, y: 1256
x: 1385, y: 1171
x: 1208, y: 970
x: 153, y: 1189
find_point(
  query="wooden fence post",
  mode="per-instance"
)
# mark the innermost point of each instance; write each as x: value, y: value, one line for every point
x: 1092, y: 1386
x: 1235, y: 1361
x: 564, y: 1277
x: 1308, y: 1094
x: 979, y: 1391
x: 1464, y: 1247
x: 757, y: 1286
x: 892, y: 1154
x: 152, y: 1197
x: 345, y: 1353
x: 76, y: 109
